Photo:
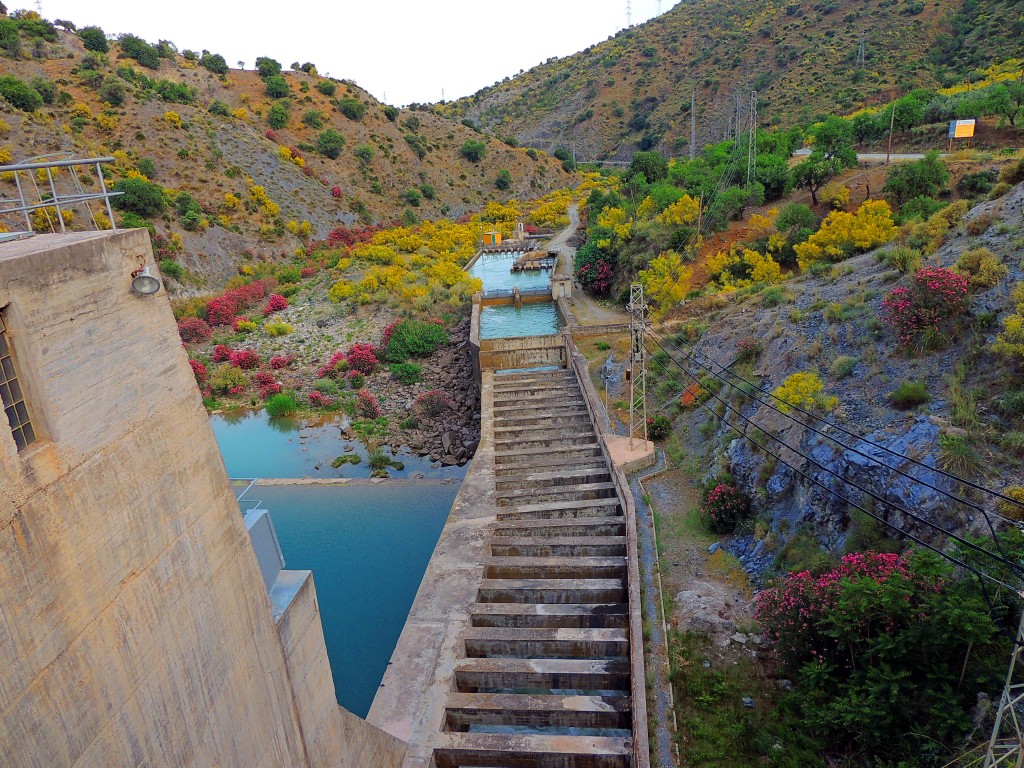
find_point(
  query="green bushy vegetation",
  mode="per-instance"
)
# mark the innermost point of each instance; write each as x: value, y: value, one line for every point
x: 413, y: 338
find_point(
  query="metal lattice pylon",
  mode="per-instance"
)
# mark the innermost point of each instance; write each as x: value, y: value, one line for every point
x: 637, y: 365
x: 1006, y: 748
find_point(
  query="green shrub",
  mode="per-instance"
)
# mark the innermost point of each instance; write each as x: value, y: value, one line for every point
x: 136, y: 48
x: 999, y: 190
x: 504, y: 180
x: 326, y: 386
x: 20, y: 95
x: 474, y: 150
x: 213, y: 62
x: 313, y: 119
x: 140, y: 197
x: 957, y: 455
x: 1012, y: 403
x: 658, y: 427
x: 413, y: 338
x: 282, y: 404
x: 1013, y: 173
x: 391, y: 113
x: 277, y: 87
x: 326, y: 87
x: 330, y: 143
x: 267, y: 67
x: 364, y: 154
x: 219, y: 108
x: 909, y: 394
x: 347, y: 458
x: 902, y: 258
x: 278, y: 115
x: 277, y: 328
x: 843, y: 366
x: 171, y: 268
x: 406, y: 373
x: 982, y: 267
x: 773, y: 296
x: 351, y: 107
x: 226, y: 377
x: 94, y: 39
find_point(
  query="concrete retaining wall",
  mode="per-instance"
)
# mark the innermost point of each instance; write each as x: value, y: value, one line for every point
x: 525, y: 352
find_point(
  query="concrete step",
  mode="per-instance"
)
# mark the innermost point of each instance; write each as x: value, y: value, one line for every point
x: 553, y: 374
x: 506, y: 406
x: 546, y: 528
x: 547, y: 464
x: 552, y: 616
x: 602, y: 507
x: 471, y: 750
x: 488, y: 642
x: 554, y: 567
x: 543, y: 431
x: 476, y: 675
x: 570, y: 475
x: 465, y: 710
x: 569, y: 493
x: 513, y: 455
x: 561, y: 591
x: 542, y: 418
x: 565, y: 439
x: 576, y: 546
x: 534, y: 391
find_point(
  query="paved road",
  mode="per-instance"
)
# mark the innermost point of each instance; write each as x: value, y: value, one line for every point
x: 875, y: 157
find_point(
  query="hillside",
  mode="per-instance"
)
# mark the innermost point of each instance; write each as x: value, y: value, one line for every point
x: 192, y: 125
x: 633, y: 91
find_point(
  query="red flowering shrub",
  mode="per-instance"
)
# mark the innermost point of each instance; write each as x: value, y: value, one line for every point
x: 194, y: 330
x: 271, y: 134
x: 236, y: 390
x: 269, y: 390
x: 355, y: 380
x: 336, y: 191
x: 308, y: 271
x: 276, y: 303
x: 199, y: 371
x: 221, y: 353
x: 692, y: 396
x: 222, y: 310
x: 277, y: 362
x: 725, y: 507
x: 658, y: 427
x: 319, y: 400
x: 245, y: 359
x: 330, y: 370
x: 264, y: 377
x: 366, y: 405
x: 748, y: 348
x: 432, y: 403
x: 885, y: 649
x: 362, y: 358
x: 237, y: 320
x: 916, y: 313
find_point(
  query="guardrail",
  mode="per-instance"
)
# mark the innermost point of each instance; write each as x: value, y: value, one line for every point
x: 246, y: 484
x: 61, y: 193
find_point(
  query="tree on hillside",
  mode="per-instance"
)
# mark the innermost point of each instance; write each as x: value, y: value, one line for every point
x: 474, y: 150
x: 815, y: 172
x: 922, y: 178
x: 267, y: 67
x: 834, y: 139
x: 652, y: 165
x: 1007, y: 100
x: 277, y: 87
x: 330, y: 143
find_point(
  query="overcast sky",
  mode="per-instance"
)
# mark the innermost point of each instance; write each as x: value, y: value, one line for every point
x: 404, y: 50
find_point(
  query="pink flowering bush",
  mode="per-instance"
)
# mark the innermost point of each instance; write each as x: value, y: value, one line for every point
x: 319, y: 400
x: 264, y: 377
x: 888, y: 651
x: 917, y: 313
x: 724, y: 508
x: 199, y: 371
x: 221, y: 353
x: 245, y: 359
x: 267, y: 391
x: 276, y: 303
x: 334, y: 367
x: 336, y: 191
x: 362, y: 358
x: 194, y: 330
x: 366, y: 405
x: 277, y: 362
x: 748, y: 348
x: 308, y: 272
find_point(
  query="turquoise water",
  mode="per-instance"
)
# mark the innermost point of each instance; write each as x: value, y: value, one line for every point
x: 368, y: 548
x: 504, y: 321
x: 495, y: 269
x: 254, y: 445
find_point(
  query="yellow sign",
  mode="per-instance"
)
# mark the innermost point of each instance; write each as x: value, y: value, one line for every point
x: 961, y: 129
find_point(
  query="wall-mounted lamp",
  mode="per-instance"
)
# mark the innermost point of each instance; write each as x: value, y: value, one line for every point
x: 143, y: 283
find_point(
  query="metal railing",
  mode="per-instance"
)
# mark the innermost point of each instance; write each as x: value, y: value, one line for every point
x: 43, y: 187
x: 241, y: 486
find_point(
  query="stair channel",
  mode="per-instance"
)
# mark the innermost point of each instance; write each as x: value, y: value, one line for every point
x: 544, y: 681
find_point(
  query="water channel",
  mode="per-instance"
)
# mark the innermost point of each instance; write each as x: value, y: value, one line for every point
x: 367, y: 545
x: 495, y: 269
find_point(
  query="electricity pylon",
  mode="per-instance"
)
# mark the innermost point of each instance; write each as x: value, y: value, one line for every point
x: 1006, y: 747
x: 637, y: 365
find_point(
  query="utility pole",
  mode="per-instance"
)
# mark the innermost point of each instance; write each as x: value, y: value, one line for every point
x: 862, y: 52
x: 629, y: 13
x: 637, y: 371
x: 693, y: 124
x: 752, y: 141
x: 1006, y: 747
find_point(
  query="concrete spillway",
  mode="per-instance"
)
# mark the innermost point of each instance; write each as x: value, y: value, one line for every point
x: 524, y: 646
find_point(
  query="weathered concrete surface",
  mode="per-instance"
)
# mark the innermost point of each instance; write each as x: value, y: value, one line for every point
x: 630, y: 455
x: 135, y: 628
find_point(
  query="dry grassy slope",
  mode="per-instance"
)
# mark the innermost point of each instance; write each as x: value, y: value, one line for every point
x: 800, y: 56
x: 212, y: 155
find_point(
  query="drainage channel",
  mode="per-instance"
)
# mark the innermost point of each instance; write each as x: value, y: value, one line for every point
x: 545, y: 674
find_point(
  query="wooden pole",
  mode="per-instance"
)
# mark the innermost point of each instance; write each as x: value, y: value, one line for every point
x: 892, y: 122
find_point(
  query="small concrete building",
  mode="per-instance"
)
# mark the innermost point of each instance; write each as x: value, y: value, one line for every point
x: 137, y: 627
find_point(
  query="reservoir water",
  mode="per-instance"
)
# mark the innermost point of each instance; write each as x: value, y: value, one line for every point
x: 504, y: 321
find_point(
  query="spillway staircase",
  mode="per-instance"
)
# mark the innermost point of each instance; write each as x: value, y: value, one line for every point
x: 544, y: 679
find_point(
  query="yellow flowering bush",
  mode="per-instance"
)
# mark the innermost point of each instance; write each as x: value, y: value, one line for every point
x: 843, y: 234
x: 173, y: 119
x: 1011, y: 341
x: 666, y: 281
x: 803, y: 390
x: 682, y: 212
x: 743, y: 267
